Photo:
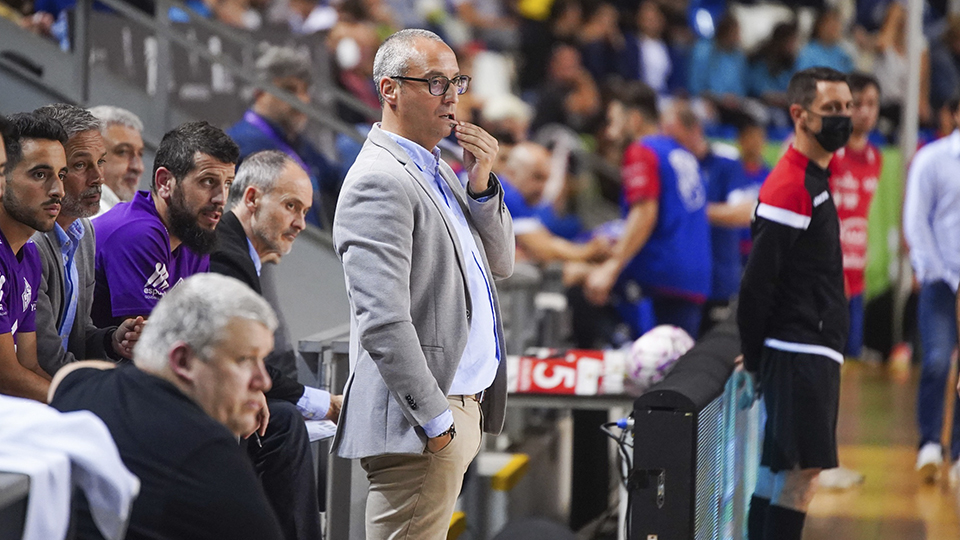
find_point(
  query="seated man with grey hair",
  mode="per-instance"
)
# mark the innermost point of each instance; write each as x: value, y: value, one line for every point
x: 273, y: 124
x: 122, y: 134
x: 266, y: 210
x: 65, y: 329
x: 195, y: 386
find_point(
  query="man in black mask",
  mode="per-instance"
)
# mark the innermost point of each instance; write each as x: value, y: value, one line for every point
x: 793, y: 314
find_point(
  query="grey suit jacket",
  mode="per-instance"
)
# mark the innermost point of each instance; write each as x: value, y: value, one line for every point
x: 410, y: 304
x: 86, y: 340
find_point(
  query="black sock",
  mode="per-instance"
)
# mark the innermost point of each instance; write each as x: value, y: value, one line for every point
x: 783, y: 523
x: 757, y: 517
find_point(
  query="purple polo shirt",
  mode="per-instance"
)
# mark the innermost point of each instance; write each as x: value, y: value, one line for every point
x: 19, y: 282
x: 134, y: 264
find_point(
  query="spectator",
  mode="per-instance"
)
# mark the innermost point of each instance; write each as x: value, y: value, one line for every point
x: 122, y: 133
x: 507, y: 118
x: 931, y: 208
x: 606, y: 52
x: 773, y: 65
x: 569, y: 95
x: 892, y: 71
x: 196, y: 386
x: 665, y: 244
x: 489, y: 22
x: 718, y: 70
x: 65, y: 331
x: 854, y: 175
x: 730, y: 203
x: 422, y: 357
x: 273, y: 124
x: 825, y: 48
x: 36, y: 164
x: 310, y: 16
x: 945, y: 62
x: 525, y: 173
x: 353, y: 46
x: 538, y: 39
x: 752, y: 138
x: 792, y: 313
x: 655, y: 63
x: 146, y: 246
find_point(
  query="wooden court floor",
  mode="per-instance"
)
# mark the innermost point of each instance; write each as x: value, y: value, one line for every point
x: 877, y: 436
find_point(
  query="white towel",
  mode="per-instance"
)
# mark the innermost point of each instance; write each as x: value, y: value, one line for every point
x: 31, y: 432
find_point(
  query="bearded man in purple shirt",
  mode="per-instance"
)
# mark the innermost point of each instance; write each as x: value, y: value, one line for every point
x: 164, y: 235
x: 35, y: 166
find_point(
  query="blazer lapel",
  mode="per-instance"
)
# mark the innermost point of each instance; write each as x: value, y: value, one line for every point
x: 53, y: 245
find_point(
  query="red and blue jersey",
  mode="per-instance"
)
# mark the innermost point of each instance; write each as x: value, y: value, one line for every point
x: 676, y: 259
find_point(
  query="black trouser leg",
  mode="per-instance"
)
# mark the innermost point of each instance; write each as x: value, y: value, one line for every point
x: 285, y: 468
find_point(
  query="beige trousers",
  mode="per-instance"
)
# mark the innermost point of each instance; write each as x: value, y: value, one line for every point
x: 411, y: 496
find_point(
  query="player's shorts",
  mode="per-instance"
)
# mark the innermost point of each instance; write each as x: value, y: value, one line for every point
x: 802, y: 396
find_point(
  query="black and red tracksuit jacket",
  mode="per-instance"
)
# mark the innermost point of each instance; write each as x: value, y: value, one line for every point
x: 791, y: 296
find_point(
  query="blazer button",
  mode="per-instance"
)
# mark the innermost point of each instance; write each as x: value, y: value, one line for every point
x: 468, y: 313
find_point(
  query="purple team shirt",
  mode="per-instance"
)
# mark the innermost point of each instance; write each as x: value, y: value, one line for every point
x: 134, y: 264
x: 19, y: 283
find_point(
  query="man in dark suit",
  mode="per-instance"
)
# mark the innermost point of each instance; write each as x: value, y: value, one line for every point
x: 268, y: 203
x: 65, y: 331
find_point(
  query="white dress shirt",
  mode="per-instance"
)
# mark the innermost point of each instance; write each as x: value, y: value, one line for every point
x: 478, y: 364
x: 931, y: 211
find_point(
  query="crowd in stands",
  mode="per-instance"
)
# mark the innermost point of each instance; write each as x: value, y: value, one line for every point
x: 562, y: 55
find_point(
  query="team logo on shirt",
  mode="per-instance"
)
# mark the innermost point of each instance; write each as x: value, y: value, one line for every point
x: 157, y: 284
x: 27, y: 292
x: 3, y: 307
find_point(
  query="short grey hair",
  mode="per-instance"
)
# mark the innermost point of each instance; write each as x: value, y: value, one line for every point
x: 393, y: 57
x: 282, y: 62
x: 196, y: 312
x: 73, y: 119
x: 260, y: 170
x: 110, y: 115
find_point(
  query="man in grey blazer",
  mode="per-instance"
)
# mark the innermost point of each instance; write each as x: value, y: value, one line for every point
x: 420, y: 251
x: 65, y: 332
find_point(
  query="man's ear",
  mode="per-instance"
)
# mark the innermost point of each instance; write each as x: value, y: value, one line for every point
x: 183, y: 362
x: 164, y: 182
x: 389, y: 89
x: 251, y: 198
x: 796, y: 111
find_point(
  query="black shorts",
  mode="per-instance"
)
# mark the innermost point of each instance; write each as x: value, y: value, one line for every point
x: 802, y: 395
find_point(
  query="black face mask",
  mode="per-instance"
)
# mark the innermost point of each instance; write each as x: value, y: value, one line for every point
x: 834, y: 131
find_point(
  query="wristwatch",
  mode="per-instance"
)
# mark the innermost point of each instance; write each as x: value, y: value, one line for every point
x: 452, y: 432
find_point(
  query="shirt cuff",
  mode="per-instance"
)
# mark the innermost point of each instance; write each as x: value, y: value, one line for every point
x: 314, y: 403
x: 439, y: 424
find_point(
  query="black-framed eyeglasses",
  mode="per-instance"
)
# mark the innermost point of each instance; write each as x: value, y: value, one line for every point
x: 438, y: 85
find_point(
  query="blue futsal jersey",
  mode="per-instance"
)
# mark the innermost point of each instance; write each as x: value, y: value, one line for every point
x: 676, y: 260
x: 726, y: 183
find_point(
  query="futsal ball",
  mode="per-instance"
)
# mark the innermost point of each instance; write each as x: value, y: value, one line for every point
x: 653, y: 355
